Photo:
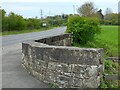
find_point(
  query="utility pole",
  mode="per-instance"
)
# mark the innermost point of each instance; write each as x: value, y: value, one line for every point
x: 49, y: 13
x: 73, y: 9
x: 41, y: 14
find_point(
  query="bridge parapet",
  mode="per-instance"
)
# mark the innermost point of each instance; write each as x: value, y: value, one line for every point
x: 54, y: 60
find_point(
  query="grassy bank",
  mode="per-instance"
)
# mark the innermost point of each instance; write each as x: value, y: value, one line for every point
x: 107, y: 39
x: 110, y: 68
x: 22, y: 31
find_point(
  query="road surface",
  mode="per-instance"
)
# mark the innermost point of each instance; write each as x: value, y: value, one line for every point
x: 13, y: 75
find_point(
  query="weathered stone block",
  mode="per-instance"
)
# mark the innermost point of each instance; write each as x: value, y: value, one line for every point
x: 77, y: 82
x: 51, y: 76
x: 91, y: 83
x: 63, y: 80
x: 52, y: 61
x: 91, y: 71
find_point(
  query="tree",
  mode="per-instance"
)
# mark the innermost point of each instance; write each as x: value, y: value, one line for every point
x: 100, y: 16
x: 16, y: 22
x: 108, y: 11
x: 108, y: 14
x: 3, y: 13
x: 4, y: 20
x: 83, y: 29
x: 33, y: 23
x: 87, y: 9
x: 110, y: 17
x: 114, y: 19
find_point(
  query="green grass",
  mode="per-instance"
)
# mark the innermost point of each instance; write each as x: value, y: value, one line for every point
x: 107, y: 39
x: 110, y: 67
x: 50, y: 85
x: 22, y: 31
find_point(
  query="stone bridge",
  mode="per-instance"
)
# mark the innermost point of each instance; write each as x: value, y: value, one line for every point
x: 53, y: 60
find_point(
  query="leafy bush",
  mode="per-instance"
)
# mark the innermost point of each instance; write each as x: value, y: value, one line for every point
x: 83, y: 29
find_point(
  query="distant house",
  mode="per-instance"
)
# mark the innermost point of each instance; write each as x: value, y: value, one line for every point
x: 44, y: 24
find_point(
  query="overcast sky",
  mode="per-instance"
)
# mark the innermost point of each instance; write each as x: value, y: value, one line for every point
x: 31, y: 8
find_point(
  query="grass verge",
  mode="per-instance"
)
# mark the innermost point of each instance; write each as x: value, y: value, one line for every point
x: 110, y: 68
x: 107, y: 39
x: 23, y: 31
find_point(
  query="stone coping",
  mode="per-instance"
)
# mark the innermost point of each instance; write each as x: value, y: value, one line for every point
x: 54, y: 60
x: 65, y: 54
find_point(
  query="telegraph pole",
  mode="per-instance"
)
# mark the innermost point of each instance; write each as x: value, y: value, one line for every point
x: 41, y: 14
x: 73, y: 9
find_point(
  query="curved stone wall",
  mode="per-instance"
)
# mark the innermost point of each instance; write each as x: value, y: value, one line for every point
x: 53, y: 60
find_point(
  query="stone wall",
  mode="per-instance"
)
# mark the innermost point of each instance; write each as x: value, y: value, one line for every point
x: 61, y: 40
x: 53, y: 60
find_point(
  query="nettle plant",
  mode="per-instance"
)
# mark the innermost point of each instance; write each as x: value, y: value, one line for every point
x: 83, y: 29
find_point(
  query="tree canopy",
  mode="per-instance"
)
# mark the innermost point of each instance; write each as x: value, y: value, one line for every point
x: 87, y: 9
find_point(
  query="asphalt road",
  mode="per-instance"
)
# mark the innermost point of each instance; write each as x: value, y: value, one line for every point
x: 13, y: 39
x: 13, y: 74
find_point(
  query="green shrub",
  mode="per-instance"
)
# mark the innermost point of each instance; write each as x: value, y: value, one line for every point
x: 83, y: 29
